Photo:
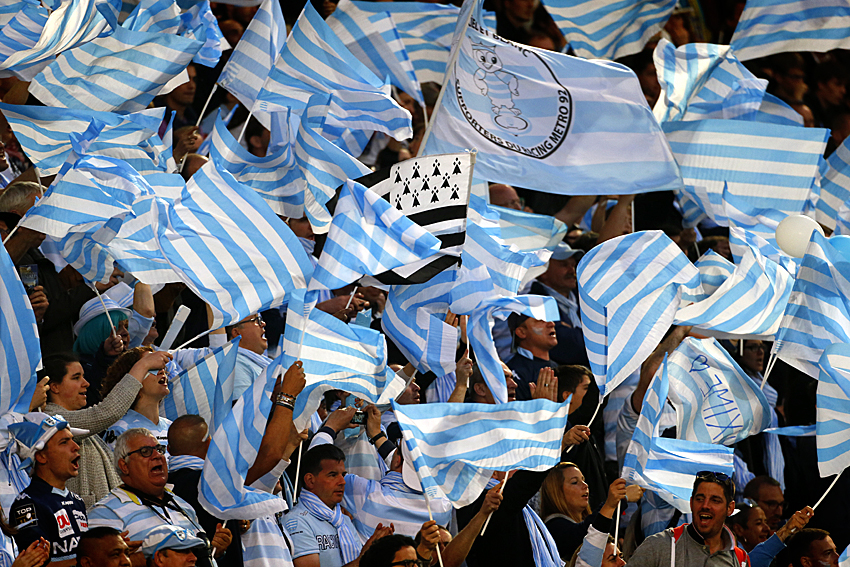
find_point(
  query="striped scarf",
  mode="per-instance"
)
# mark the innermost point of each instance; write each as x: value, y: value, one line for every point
x: 176, y: 462
x: 543, y: 547
x: 348, y: 540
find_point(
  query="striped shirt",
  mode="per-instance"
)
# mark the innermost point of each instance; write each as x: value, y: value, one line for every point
x: 133, y: 419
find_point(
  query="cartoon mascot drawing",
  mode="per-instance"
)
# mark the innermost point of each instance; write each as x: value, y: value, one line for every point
x: 499, y: 86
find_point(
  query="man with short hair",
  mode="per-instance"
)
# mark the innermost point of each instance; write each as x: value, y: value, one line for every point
x: 103, y: 547
x: 533, y: 339
x: 812, y: 548
x: 170, y: 546
x: 46, y: 509
x: 251, y: 359
x: 706, y: 541
x: 322, y: 535
x: 506, y: 196
x: 767, y: 493
x: 143, y: 503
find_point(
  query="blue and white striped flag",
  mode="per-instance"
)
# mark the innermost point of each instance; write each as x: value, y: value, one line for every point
x: 456, y: 447
x: 275, y: 177
x: 834, y: 186
x: 714, y: 269
x: 715, y: 401
x: 668, y: 466
x: 336, y: 356
x: 770, y: 165
x: 20, y: 350
x: 154, y: 16
x: 507, y: 265
x: 198, y: 22
x: 750, y: 302
x: 426, y: 30
x: 368, y: 236
x: 414, y: 318
x: 833, y: 409
x: 753, y: 219
x: 253, y: 57
x: 844, y: 558
x: 609, y: 30
x: 740, y: 240
x: 232, y: 451
x: 229, y: 247
x: 842, y: 223
x: 70, y: 24
x: 548, y: 121
x: 22, y: 32
x: 374, y: 40
x: 45, y: 134
x: 775, y: 110
x: 315, y: 61
x: 776, y: 26
x: 630, y: 289
x: 10, y: 9
x: 480, y: 329
x: 818, y: 311
x: 323, y: 165
x: 530, y: 232
x: 119, y: 73
x: 205, y: 389
x: 97, y: 213
x: 703, y: 80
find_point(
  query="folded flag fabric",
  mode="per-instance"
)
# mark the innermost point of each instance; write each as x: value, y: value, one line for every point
x: 336, y: 356
x: 368, y: 236
x: 228, y: 246
x: 375, y: 41
x: 818, y: 311
x: 630, y: 289
x: 777, y: 111
x: 154, y: 16
x: 548, y: 121
x: 20, y: 351
x: 506, y: 265
x: 740, y: 240
x: 205, y: 389
x: 22, y: 32
x: 668, y: 466
x: 199, y: 23
x: 252, y: 59
x: 749, y: 302
x: 776, y: 26
x: 715, y: 401
x: 481, y: 342
x: 45, y: 134
x: 833, y: 409
x: 714, y: 269
x: 703, y: 80
x: 315, y: 61
x: 119, y: 73
x: 842, y: 224
x: 232, y: 451
x: 609, y: 30
x: 834, y: 186
x: 456, y: 447
x: 275, y: 177
x: 433, y: 192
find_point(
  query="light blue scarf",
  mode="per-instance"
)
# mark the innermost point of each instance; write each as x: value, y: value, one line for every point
x: 349, y: 541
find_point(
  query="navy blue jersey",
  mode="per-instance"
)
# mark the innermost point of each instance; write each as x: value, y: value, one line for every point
x: 44, y: 511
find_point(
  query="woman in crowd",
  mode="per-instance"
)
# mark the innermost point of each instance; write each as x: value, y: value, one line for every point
x: 67, y: 395
x: 144, y: 411
x: 96, y: 344
x: 564, y: 505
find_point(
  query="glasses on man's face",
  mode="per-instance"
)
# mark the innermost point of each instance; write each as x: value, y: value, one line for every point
x: 408, y: 563
x: 773, y: 504
x: 257, y: 318
x: 148, y: 450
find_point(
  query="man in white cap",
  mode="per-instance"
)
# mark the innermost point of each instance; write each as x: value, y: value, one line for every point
x: 46, y: 509
x: 172, y: 546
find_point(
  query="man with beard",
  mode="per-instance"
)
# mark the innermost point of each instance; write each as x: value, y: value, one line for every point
x: 706, y: 541
x: 46, y: 510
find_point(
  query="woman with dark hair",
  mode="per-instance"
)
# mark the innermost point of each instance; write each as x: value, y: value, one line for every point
x: 67, y: 396
x: 749, y: 524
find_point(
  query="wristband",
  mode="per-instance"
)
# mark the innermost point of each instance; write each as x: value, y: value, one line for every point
x: 374, y: 439
x: 286, y: 405
x: 282, y: 397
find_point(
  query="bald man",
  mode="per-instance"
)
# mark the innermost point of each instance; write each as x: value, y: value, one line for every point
x: 506, y: 196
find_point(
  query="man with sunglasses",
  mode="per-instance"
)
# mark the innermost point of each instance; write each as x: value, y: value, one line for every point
x: 251, y: 359
x: 143, y: 503
x: 706, y: 541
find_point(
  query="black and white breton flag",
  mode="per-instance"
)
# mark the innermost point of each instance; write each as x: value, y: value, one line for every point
x: 433, y: 191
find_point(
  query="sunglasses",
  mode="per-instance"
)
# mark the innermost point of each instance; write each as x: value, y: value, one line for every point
x: 711, y: 476
x: 147, y: 451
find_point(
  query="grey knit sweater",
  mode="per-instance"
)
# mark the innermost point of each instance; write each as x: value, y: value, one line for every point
x: 97, y: 473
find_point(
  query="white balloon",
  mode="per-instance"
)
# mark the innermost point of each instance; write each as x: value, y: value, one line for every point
x: 794, y: 232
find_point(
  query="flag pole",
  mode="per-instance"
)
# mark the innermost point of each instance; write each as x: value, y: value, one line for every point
x: 350, y: 297
x: 300, y: 449
x: 427, y: 505
x: 207, y: 332
x: 12, y: 232
x: 827, y: 490
x: 206, y: 104
x: 244, y: 127
x: 103, y: 303
x: 449, y: 66
x: 616, y: 526
x: 771, y: 361
x: 570, y: 448
x: 501, y: 490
